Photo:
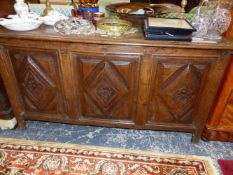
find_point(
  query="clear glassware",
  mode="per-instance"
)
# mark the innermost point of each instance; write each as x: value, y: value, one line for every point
x: 211, y: 21
x: 219, y: 23
x: 74, y: 26
x: 201, y: 20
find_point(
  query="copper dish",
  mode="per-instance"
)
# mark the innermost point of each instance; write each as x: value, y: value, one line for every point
x: 130, y: 9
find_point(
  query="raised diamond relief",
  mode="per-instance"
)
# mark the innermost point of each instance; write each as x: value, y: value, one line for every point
x: 32, y: 84
x: 38, y: 89
x: 105, y: 91
x: 105, y: 87
x: 180, y: 90
x: 184, y: 96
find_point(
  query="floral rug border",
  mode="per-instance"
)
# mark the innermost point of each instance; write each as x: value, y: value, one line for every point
x: 106, y: 152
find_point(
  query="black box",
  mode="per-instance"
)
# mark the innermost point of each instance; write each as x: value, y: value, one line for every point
x: 168, y: 37
x: 168, y: 29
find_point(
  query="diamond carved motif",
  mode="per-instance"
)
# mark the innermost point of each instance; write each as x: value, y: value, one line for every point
x: 37, y: 88
x: 184, y: 96
x: 33, y: 85
x: 105, y: 91
x: 105, y: 87
x: 180, y: 90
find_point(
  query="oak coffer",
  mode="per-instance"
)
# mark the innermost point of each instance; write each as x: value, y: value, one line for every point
x: 115, y: 82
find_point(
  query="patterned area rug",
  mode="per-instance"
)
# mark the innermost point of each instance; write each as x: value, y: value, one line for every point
x: 226, y: 166
x: 22, y: 157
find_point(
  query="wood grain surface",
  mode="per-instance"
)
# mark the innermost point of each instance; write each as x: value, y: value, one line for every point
x: 124, y: 82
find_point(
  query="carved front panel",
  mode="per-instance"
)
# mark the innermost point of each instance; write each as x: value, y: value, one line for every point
x: 108, y: 86
x: 38, y: 76
x: 177, y: 85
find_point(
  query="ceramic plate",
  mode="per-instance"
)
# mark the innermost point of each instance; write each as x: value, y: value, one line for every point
x: 20, y: 24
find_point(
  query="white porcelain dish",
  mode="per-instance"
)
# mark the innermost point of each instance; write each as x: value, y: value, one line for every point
x: 52, y: 18
x: 20, y: 24
x: 30, y: 15
x: 49, y: 20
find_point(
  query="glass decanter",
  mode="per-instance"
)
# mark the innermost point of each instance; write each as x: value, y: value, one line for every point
x: 201, y: 20
x: 219, y: 22
x: 211, y: 21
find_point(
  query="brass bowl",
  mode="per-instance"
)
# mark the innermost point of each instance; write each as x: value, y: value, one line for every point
x: 114, y: 25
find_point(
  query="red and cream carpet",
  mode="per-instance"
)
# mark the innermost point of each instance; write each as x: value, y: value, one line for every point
x: 226, y: 166
x: 21, y: 157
